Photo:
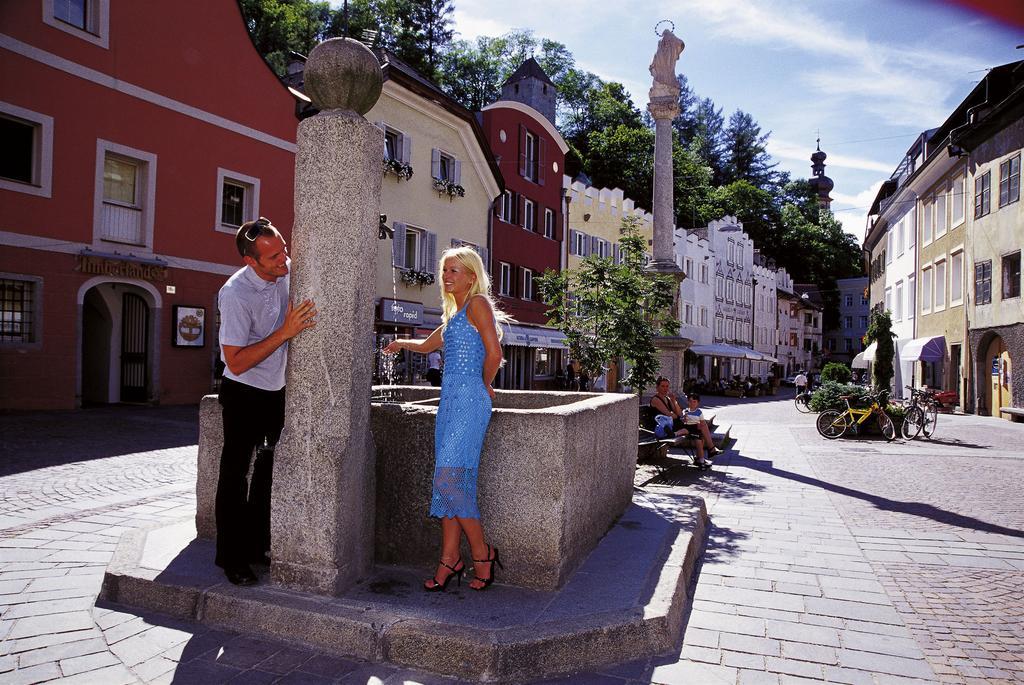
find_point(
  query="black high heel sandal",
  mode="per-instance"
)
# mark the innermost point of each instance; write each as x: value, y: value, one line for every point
x: 455, y: 572
x: 495, y: 559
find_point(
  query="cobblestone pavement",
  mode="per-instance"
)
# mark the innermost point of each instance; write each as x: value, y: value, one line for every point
x: 848, y: 561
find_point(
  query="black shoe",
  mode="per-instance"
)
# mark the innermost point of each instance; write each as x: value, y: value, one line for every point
x: 703, y: 465
x: 433, y: 585
x: 240, y: 575
x: 493, y: 558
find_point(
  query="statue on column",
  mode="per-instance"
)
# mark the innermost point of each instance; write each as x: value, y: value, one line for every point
x: 663, y: 66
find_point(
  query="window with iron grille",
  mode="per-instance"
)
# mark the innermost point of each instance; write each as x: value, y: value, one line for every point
x: 18, y: 311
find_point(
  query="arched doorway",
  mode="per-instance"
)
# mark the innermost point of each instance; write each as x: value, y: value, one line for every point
x: 117, y: 343
x: 999, y: 367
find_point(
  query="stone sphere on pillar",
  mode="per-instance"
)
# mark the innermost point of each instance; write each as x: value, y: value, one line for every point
x: 342, y: 73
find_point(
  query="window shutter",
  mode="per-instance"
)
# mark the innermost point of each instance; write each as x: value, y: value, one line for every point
x: 594, y: 242
x: 542, y: 158
x: 435, y: 163
x: 398, y: 245
x: 558, y: 227
x: 572, y: 241
x: 429, y: 252
x: 406, y: 149
x: 483, y: 257
x: 615, y: 253
x: 497, y: 205
x: 522, y: 150
x: 458, y: 173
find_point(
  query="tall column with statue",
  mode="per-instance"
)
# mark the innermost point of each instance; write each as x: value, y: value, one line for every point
x: 664, y: 107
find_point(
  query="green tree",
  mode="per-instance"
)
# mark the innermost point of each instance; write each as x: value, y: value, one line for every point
x: 835, y: 372
x: 278, y: 27
x: 880, y: 332
x: 746, y: 154
x: 613, y: 311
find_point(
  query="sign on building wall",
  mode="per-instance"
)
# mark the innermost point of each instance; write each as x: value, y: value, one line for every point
x: 404, y: 313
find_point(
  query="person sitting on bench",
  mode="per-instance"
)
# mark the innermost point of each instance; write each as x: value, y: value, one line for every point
x: 693, y: 418
x: 665, y: 403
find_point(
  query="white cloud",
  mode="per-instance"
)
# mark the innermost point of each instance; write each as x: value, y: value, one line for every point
x: 852, y: 210
x: 782, y: 149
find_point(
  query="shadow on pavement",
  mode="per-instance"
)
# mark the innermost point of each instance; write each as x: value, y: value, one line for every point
x: 919, y: 509
x: 32, y: 440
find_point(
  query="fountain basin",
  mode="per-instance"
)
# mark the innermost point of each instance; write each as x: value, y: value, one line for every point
x: 556, y: 472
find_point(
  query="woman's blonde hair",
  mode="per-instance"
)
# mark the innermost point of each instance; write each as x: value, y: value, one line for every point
x: 469, y: 258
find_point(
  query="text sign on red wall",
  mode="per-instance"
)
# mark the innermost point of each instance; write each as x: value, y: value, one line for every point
x: 104, y: 266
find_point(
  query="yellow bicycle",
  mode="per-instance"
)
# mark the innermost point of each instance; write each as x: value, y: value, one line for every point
x: 834, y: 424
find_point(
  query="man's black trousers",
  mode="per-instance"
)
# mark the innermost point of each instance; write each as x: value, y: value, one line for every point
x: 253, y: 420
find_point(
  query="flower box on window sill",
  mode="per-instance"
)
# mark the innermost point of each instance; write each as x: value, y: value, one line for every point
x: 447, y: 187
x: 397, y: 168
x: 413, y: 277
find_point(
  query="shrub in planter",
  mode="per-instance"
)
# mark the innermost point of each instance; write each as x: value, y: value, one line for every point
x: 834, y: 371
x: 828, y: 396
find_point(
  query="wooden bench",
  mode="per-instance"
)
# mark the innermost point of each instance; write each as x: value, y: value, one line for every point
x: 649, y: 446
x: 1016, y: 414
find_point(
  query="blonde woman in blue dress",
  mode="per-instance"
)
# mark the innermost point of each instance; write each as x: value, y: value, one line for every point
x: 471, y: 337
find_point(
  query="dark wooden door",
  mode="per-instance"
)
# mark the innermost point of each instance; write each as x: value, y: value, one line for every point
x: 134, y: 348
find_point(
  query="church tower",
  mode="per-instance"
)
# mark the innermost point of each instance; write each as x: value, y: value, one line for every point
x: 821, y: 183
x: 531, y: 86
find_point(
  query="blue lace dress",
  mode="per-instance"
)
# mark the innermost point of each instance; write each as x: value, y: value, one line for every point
x: 462, y: 418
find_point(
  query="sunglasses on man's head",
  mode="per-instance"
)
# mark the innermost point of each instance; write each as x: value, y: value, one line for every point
x: 256, y: 230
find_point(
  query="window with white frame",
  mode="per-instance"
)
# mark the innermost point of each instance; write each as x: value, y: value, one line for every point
x: 506, y: 211
x: 864, y: 319
x: 898, y: 301
x: 941, y: 216
x: 20, y: 309
x: 927, y: 213
x: 957, y: 202
x: 939, y: 299
x: 732, y: 252
x: 85, y: 19
x: 739, y: 253
x: 888, y: 299
x: 580, y: 244
x: 730, y: 328
x: 530, y: 163
x: 848, y: 345
x: 847, y: 322
x: 527, y: 284
x: 956, y: 278
x: 26, y: 165
x: 1011, y: 275
x: 238, y: 200
x: 730, y: 286
x: 505, y: 280
x: 719, y: 287
x: 911, y: 223
x: 549, y: 223
x: 688, y: 267
x: 704, y: 316
x: 926, y: 289
x: 397, y: 145
x: 718, y: 326
x: 889, y: 245
x: 529, y: 214
x: 982, y: 194
x: 849, y: 300
x: 1009, y: 180
x: 413, y: 247
x: 703, y: 273
x: 445, y: 167
x: 899, y: 237
x: 688, y: 314
x: 983, y: 282
x: 125, y: 194
x: 911, y: 300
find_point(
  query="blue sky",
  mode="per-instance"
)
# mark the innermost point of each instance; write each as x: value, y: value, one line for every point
x: 870, y: 75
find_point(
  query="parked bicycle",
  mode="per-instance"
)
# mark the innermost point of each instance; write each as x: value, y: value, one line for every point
x: 803, y: 401
x: 921, y: 414
x: 834, y: 424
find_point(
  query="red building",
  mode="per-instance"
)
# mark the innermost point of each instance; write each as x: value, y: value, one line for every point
x: 138, y: 136
x: 528, y: 223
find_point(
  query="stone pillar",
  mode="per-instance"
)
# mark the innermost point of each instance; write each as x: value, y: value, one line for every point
x: 663, y: 112
x: 322, y: 505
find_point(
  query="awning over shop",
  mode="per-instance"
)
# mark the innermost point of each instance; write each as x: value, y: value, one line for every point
x: 931, y: 349
x: 869, y: 352
x: 859, y: 362
x: 527, y: 336
x: 723, y: 350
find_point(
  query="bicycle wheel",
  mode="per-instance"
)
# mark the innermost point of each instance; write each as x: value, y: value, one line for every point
x: 832, y: 424
x: 803, y: 403
x: 886, y: 426
x: 912, y: 423
x: 931, y: 415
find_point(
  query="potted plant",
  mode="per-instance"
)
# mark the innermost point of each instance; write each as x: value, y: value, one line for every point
x: 413, y: 277
x: 397, y: 168
x: 443, y: 186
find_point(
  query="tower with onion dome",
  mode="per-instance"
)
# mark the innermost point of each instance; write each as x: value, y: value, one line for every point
x: 821, y: 183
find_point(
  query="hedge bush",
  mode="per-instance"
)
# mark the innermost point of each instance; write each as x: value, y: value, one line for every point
x: 828, y: 395
x: 834, y: 371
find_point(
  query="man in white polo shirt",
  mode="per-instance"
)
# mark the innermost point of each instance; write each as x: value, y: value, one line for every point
x: 256, y: 322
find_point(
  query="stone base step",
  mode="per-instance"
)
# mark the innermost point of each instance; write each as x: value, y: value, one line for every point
x: 627, y: 601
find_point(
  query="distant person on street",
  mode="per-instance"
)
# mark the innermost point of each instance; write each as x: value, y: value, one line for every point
x: 434, y: 368
x: 800, y: 382
x: 257, y: 321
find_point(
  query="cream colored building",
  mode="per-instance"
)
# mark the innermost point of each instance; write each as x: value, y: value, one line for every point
x: 445, y: 147
x: 594, y: 217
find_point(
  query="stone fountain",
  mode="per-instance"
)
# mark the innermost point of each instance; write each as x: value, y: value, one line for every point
x: 593, y: 573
